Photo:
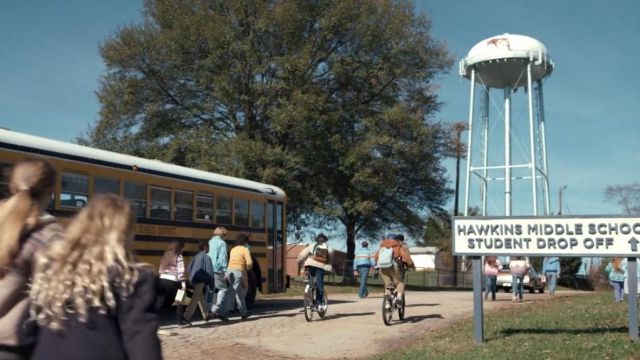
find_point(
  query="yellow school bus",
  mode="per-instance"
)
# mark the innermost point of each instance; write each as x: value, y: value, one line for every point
x: 171, y: 202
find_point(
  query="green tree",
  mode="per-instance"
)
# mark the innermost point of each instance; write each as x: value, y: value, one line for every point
x: 331, y: 100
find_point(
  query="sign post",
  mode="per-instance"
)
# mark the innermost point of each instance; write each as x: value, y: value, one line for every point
x: 588, y: 236
x: 478, y: 325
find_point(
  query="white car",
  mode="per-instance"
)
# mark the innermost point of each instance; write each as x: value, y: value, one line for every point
x: 532, y: 281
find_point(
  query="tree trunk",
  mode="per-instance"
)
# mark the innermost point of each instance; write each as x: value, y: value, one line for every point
x: 351, y: 250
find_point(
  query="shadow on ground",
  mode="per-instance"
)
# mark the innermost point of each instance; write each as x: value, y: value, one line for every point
x: 596, y: 330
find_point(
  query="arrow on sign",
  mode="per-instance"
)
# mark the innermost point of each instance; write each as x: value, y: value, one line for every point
x: 634, y: 244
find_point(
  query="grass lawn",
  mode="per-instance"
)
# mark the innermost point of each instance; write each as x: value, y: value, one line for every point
x: 588, y: 326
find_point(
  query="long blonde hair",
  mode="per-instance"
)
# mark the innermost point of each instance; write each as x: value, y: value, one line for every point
x: 32, y: 180
x: 174, y: 250
x: 90, y: 268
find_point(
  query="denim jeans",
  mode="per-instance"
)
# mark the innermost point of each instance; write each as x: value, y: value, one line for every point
x: 235, y: 278
x: 221, y: 306
x: 363, y: 270
x: 517, y: 285
x: 552, y: 278
x: 490, y: 286
x: 318, y: 274
x: 618, y: 290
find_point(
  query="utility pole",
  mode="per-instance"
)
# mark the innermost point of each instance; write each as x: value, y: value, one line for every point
x: 560, y: 199
x: 459, y: 149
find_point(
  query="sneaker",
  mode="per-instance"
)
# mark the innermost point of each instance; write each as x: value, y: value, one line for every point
x: 209, y: 317
x: 246, y: 316
x: 215, y: 315
x: 513, y: 298
x: 184, y: 323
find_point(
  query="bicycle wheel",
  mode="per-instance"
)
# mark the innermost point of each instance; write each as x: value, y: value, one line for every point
x: 308, y: 305
x: 401, y: 308
x: 323, y: 311
x: 387, y: 309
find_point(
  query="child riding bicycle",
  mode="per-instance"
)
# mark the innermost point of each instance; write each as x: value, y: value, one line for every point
x: 317, y: 258
x: 393, y: 270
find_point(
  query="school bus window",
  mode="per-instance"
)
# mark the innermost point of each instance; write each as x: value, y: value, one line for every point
x: 5, y: 174
x: 184, y: 205
x: 223, y: 210
x: 160, y: 203
x: 74, y: 190
x: 204, y: 207
x: 137, y: 195
x: 241, y: 213
x: 257, y: 214
x: 106, y: 186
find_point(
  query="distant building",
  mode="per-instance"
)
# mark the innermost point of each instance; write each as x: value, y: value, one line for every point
x: 424, y: 257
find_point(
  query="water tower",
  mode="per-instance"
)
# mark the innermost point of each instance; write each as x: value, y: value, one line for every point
x: 507, y: 63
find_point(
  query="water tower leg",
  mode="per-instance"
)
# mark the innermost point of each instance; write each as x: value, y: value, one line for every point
x: 469, y: 142
x: 507, y: 151
x: 543, y: 147
x: 485, y: 150
x: 468, y: 179
x: 532, y: 145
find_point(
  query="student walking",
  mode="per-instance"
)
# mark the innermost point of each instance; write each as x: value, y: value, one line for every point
x: 615, y: 269
x: 26, y: 231
x: 91, y: 299
x: 519, y: 267
x: 551, y: 269
x: 362, y: 263
x: 172, y: 278
x: 200, y: 276
x: 491, y: 268
x: 239, y: 263
x: 218, y: 255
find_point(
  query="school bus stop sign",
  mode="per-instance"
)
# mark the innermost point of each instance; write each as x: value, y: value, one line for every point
x: 541, y: 236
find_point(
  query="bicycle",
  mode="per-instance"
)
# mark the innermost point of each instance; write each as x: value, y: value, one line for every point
x: 390, y: 305
x: 310, y: 303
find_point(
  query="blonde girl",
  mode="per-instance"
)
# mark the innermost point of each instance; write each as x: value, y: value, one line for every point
x: 89, y: 296
x: 25, y: 229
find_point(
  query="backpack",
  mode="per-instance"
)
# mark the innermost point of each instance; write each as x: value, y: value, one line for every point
x: 385, y: 257
x: 320, y: 253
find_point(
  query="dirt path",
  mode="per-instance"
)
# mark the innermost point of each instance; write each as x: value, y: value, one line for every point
x: 353, y: 328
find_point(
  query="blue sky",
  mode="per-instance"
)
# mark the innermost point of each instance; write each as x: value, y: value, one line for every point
x: 50, y: 66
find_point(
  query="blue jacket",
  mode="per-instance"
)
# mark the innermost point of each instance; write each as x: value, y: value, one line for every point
x: 218, y: 254
x: 615, y: 275
x: 201, y: 269
x: 551, y: 264
x: 363, y: 257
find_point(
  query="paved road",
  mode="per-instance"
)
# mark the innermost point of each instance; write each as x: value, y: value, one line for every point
x: 353, y: 328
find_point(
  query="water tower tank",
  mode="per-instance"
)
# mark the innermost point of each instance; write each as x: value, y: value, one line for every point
x: 501, y: 64
x: 500, y: 61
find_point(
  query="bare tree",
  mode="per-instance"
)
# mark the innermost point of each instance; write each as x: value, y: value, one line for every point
x: 626, y: 195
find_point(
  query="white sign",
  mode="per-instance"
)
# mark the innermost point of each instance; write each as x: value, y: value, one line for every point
x: 538, y: 236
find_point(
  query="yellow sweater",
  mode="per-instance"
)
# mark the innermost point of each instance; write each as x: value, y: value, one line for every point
x: 240, y: 259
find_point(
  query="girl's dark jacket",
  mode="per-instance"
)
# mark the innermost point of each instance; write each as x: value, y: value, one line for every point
x: 130, y: 332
